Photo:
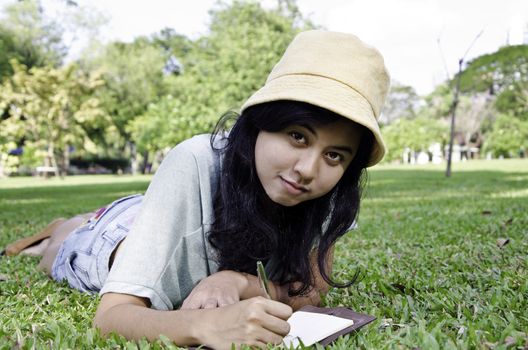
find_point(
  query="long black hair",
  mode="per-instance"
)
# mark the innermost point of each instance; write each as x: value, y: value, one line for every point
x: 249, y: 227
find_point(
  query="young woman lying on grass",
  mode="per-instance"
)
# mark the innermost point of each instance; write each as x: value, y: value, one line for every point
x: 281, y: 186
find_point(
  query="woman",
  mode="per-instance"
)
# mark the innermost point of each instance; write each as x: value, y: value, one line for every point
x: 281, y: 186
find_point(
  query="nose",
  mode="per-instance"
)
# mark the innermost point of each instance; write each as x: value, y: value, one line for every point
x: 306, y: 166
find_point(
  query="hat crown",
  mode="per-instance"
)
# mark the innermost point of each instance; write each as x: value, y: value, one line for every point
x: 341, y: 57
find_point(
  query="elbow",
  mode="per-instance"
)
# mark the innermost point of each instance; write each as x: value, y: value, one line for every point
x: 115, y: 310
x: 100, y: 321
x: 108, y: 318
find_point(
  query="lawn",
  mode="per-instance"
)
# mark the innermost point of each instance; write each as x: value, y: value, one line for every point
x: 442, y: 261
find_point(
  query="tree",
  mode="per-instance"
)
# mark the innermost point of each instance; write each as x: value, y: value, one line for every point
x: 50, y: 109
x: 496, y: 72
x: 221, y: 70
x: 497, y: 83
x: 475, y: 111
x: 402, y: 102
x: 133, y: 75
x: 415, y: 134
x: 503, y: 75
x: 438, y: 103
x: 37, y: 38
x: 29, y: 37
x: 514, y: 100
x: 508, y: 137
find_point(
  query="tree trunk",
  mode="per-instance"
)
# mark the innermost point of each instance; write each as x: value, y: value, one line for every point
x: 51, y: 161
x: 65, y: 163
x: 55, y: 165
x: 145, y: 169
x: 133, y: 158
x: 156, y: 161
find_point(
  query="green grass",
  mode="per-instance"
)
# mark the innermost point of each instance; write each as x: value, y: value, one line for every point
x: 431, y: 270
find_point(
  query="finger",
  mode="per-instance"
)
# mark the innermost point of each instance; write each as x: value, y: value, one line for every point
x: 224, y: 301
x: 210, y: 304
x: 275, y: 325
x: 190, y: 304
x: 276, y: 308
x: 253, y: 345
x: 267, y: 337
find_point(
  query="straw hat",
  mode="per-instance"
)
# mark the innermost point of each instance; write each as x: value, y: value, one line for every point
x: 336, y: 71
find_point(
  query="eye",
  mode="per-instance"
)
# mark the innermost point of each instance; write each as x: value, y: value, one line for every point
x: 297, y: 137
x: 334, y: 157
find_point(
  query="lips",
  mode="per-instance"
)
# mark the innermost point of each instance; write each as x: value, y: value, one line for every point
x: 293, y: 187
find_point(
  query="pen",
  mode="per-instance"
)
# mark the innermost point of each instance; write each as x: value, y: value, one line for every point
x: 263, y: 279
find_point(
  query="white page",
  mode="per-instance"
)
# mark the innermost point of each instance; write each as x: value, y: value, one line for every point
x: 312, y: 327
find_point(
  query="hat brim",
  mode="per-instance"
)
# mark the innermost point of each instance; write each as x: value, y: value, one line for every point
x: 326, y: 93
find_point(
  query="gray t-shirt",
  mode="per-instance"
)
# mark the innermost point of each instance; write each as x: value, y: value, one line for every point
x: 166, y: 252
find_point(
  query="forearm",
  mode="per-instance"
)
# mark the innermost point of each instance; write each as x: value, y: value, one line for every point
x: 135, y: 322
x: 254, y: 322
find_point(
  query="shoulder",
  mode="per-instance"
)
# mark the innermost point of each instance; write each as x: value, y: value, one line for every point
x: 197, y: 150
x: 194, y: 157
x: 199, y: 144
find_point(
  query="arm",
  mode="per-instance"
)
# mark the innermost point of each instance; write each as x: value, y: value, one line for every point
x: 254, y: 322
x: 227, y: 287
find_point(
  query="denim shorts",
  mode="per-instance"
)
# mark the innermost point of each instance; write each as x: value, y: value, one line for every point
x: 83, y: 258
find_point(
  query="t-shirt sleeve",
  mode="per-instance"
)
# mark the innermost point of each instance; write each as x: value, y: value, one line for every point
x: 164, y: 254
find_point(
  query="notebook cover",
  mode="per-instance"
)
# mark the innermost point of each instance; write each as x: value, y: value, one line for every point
x: 360, y: 320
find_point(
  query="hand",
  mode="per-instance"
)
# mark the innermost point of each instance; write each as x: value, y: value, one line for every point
x: 220, y: 289
x: 254, y: 322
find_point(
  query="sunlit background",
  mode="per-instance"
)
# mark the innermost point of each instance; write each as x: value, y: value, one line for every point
x: 121, y: 82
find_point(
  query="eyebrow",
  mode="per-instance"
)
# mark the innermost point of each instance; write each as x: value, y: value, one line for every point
x: 344, y: 149
x: 339, y: 148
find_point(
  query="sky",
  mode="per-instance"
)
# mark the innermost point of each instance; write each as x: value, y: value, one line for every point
x: 421, y: 40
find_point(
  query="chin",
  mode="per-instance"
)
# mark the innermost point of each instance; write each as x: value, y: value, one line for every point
x: 288, y: 204
x: 285, y: 202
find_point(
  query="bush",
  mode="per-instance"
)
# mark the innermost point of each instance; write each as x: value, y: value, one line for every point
x: 508, y: 137
x: 112, y: 164
x: 417, y: 134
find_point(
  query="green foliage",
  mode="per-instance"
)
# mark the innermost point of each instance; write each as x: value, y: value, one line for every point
x: 49, y: 109
x: 416, y: 134
x: 402, y: 102
x: 221, y: 70
x: 503, y: 74
x: 156, y: 108
x: 172, y: 42
x: 29, y: 37
x: 7, y: 52
x: 431, y: 269
x: 148, y: 104
x: 497, y: 71
x: 438, y: 103
x: 8, y: 163
x: 133, y: 78
x: 508, y: 137
x: 514, y: 100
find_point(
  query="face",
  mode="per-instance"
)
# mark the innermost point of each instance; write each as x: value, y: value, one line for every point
x: 302, y: 162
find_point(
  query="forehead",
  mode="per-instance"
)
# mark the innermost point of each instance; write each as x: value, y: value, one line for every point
x: 344, y: 132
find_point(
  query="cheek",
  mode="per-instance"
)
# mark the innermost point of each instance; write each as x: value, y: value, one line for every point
x: 329, y: 179
x: 269, y: 155
x: 265, y: 162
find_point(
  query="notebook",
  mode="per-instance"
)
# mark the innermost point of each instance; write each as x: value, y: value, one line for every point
x: 311, y: 325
